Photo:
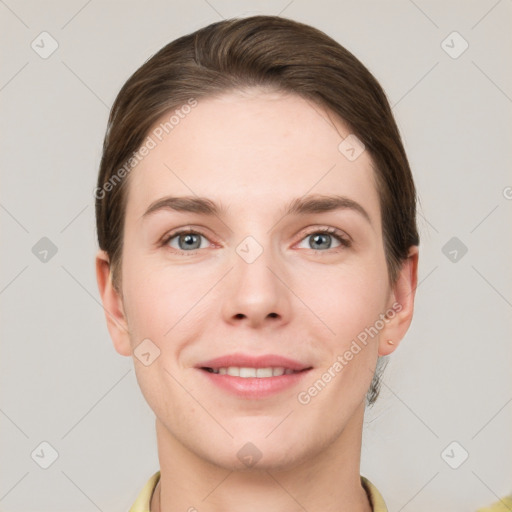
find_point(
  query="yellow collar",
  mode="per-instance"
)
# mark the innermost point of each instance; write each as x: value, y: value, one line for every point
x: 143, y: 500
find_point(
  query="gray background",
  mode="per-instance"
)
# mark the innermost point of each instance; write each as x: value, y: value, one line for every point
x: 61, y: 380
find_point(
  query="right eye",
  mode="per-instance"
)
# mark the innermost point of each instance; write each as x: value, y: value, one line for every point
x: 187, y: 240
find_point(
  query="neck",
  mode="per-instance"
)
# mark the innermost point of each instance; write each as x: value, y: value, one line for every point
x: 329, y: 481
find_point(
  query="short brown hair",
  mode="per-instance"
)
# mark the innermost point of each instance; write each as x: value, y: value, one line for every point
x: 261, y: 51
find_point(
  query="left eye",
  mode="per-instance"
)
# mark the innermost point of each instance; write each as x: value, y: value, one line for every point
x: 322, y: 239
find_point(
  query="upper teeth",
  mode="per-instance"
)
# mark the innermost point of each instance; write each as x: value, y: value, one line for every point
x: 237, y: 371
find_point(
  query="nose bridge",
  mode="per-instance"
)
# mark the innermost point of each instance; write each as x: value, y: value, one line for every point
x: 256, y: 248
x: 255, y: 291
x: 254, y: 259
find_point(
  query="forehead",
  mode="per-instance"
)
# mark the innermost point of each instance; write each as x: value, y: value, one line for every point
x: 255, y: 148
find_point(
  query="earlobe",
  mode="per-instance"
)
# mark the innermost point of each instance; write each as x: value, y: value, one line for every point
x: 112, y: 305
x: 401, y: 307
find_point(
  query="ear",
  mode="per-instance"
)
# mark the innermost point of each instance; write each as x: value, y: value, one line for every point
x: 401, y: 304
x: 113, y: 306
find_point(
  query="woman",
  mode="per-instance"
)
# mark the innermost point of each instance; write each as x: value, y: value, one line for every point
x: 256, y: 219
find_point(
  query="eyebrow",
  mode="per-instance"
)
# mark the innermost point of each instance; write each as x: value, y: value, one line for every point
x: 299, y: 206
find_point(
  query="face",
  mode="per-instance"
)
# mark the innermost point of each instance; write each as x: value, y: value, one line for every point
x: 257, y: 283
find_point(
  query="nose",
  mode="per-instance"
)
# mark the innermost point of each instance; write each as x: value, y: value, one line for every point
x: 255, y: 290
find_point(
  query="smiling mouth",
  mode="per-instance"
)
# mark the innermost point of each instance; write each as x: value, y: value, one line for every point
x: 258, y: 373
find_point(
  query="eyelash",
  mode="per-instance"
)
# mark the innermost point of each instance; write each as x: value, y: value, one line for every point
x: 344, y: 241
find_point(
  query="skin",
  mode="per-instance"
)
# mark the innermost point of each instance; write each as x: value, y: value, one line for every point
x: 254, y: 152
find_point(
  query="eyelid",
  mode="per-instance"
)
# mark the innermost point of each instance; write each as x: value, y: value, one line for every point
x: 184, y: 230
x: 328, y: 229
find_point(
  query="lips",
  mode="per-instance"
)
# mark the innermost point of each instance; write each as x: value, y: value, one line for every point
x: 253, y: 377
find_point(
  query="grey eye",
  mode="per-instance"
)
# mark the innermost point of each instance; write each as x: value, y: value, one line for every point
x: 320, y: 240
x: 186, y: 241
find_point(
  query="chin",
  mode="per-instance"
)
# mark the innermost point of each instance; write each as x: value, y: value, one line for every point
x: 254, y: 460
x: 253, y: 453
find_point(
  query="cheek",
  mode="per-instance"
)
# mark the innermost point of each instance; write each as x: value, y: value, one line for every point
x: 160, y: 298
x: 347, y: 300
x: 349, y: 306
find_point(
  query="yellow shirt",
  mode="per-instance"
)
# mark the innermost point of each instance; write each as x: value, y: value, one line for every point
x: 144, y: 499
x: 504, y: 505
